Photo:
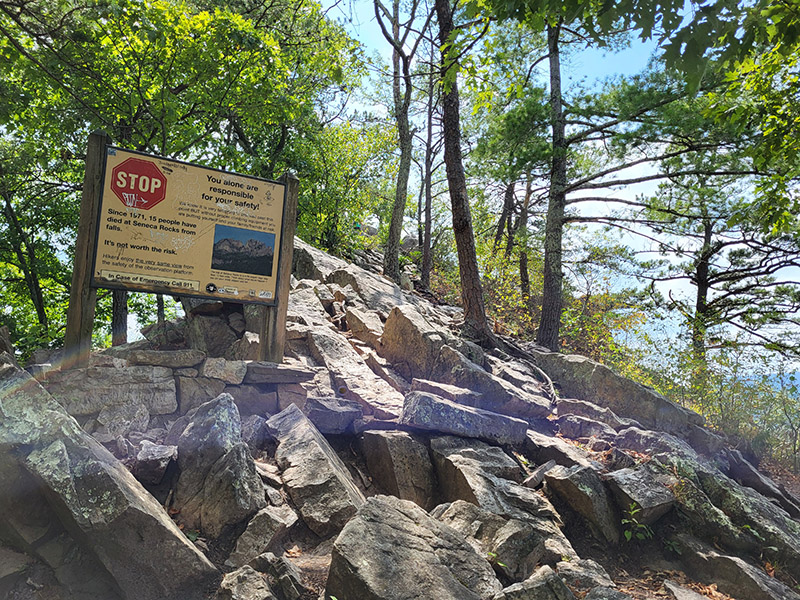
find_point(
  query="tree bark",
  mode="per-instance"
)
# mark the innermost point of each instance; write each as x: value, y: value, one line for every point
x: 475, y: 323
x: 550, y: 322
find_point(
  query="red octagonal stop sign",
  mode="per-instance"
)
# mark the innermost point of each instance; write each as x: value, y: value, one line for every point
x: 138, y: 183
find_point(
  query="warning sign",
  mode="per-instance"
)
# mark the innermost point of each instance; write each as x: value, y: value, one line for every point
x: 172, y: 227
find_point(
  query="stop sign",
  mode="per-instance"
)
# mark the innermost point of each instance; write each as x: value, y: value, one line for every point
x: 138, y: 183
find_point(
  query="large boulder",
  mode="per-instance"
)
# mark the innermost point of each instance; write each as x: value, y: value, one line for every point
x: 172, y: 359
x: 310, y: 263
x: 484, y: 475
x: 399, y: 463
x: 379, y: 294
x: 266, y: 528
x: 545, y: 584
x: 637, y: 489
x: 218, y: 485
x: 411, y: 343
x: 731, y: 574
x: 496, y: 394
x: 99, y: 504
x: 353, y: 377
x: 315, y: 477
x: 433, y: 413
x: 393, y: 550
x: 513, y: 547
x: 583, y: 490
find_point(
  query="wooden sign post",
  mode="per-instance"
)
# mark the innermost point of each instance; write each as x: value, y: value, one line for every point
x: 82, y: 296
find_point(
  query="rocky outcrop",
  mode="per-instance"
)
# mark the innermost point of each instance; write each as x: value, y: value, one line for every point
x: 585, y: 379
x: 268, y: 467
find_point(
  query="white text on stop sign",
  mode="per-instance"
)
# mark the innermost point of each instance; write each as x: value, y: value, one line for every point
x: 134, y: 181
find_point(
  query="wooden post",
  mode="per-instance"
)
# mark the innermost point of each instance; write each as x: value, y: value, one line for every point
x: 82, y: 297
x: 272, y: 336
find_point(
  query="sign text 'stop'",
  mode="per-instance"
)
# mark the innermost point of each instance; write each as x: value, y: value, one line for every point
x: 139, y: 183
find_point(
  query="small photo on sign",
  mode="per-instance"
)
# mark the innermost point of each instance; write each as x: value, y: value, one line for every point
x: 243, y: 250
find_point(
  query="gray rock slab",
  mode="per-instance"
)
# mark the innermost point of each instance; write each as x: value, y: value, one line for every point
x: 209, y: 334
x: 194, y: 391
x: 253, y: 399
x: 640, y: 488
x: 245, y: 584
x: 353, y: 378
x: 411, y: 343
x: 315, y: 477
x: 232, y: 491
x: 400, y: 464
x: 732, y: 574
x: 267, y: 372
x: 484, y: 475
x: 542, y: 447
x: 122, y: 419
x: 218, y: 484
x: 590, y: 410
x: 583, y: 490
x: 332, y: 415
x: 378, y: 293
x: 87, y: 391
x: 172, y: 359
x: 386, y: 371
x: 310, y: 263
x: 306, y: 308
x: 152, y: 461
x: 575, y: 426
x: 582, y: 575
x: 513, y: 547
x: 266, y: 528
x: 365, y: 325
x: 585, y: 379
x: 123, y: 525
x: 433, y: 413
x: 498, y: 395
x: 393, y: 550
x: 453, y: 393
x: 230, y: 371
x: 545, y: 584
x: 678, y: 592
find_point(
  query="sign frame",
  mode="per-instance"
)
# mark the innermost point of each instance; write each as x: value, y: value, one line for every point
x: 278, y: 252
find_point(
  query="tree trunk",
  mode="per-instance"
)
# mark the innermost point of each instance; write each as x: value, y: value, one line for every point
x: 402, y: 101
x: 427, y: 255
x: 550, y: 322
x: 504, y: 223
x: 160, y: 316
x: 26, y: 256
x: 119, y: 317
x: 701, y: 316
x: 471, y: 292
